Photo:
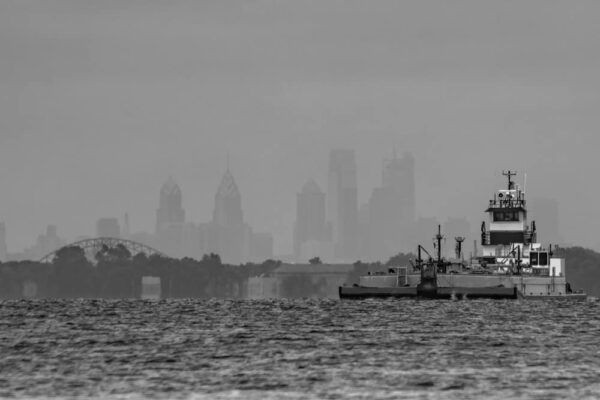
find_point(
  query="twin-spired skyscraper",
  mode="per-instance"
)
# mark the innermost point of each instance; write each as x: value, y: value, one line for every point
x: 226, y: 234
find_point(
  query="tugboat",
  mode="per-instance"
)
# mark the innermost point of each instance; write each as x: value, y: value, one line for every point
x: 512, y: 265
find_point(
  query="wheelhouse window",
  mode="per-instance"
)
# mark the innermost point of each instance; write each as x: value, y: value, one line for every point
x: 543, y: 258
x: 534, y: 258
x: 538, y: 258
x: 502, y: 216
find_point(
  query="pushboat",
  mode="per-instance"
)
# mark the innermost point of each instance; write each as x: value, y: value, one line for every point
x: 511, y: 265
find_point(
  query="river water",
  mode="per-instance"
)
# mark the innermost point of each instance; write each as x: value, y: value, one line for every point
x: 296, y: 349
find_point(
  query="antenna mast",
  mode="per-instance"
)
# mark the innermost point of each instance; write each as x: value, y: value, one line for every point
x: 439, y: 238
x: 459, y: 241
x: 509, y: 174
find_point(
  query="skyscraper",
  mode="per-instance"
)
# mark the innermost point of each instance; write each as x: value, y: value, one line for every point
x: 170, y: 217
x: 392, y: 209
x: 170, y: 211
x: 342, y: 203
x: 310, y: 220
x: 227, y: 234
x: 399, y: 174
x: 46, y: 243
x: 385, y: 224
x: 228, y: 221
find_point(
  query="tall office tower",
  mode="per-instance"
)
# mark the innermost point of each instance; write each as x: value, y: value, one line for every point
x: 228, y: 221
x: 170, y: 212
x: 399, y: 174
x: 392, y: 210
x: 385, y: 224
x: 52, y: 240
x: 3, y: 250
x: 46, y: 243
x: 170, y: 217
x: 108, y: 227
x: 342, y: 203
x: 544, y: 211
x: 310, y: 228
x: 364, y: 233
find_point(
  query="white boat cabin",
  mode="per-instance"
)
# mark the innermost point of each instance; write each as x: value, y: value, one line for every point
x: 509, y: 241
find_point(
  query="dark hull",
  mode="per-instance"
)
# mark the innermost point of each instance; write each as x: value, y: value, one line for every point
x: 570, y: 296
x: 357, y: 292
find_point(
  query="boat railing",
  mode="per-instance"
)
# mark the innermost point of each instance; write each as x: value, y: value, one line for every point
x: 507, y: 203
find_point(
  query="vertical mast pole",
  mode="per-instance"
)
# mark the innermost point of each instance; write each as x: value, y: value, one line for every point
x: 439, y: 238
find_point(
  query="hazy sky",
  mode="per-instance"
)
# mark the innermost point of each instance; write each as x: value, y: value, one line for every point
x: 100, y: 101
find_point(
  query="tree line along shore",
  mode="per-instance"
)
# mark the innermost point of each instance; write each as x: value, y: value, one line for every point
x: 117, y: 273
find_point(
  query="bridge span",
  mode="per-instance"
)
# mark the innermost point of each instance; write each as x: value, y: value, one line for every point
x: 92, y: 246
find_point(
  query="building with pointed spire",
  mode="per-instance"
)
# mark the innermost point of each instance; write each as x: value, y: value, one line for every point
x: 170, y: 217
x: 228, y: 221
x: 228, y: 235
x: 228, y: 203
x: 170, y: 211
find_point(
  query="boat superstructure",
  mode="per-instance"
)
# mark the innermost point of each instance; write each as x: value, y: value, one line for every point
x: 512, y: 264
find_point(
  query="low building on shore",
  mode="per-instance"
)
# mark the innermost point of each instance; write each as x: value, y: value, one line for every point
x: 300, y: 280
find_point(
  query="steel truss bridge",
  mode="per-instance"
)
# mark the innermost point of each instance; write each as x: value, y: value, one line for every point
x: 92, y: 246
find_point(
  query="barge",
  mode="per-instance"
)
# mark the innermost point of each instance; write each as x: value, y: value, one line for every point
x: 512, y: 263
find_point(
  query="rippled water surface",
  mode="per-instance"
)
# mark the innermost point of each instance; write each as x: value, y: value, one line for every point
x: 300, y: 349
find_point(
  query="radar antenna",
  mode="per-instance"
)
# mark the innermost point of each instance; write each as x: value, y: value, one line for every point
x: 459, y: 241
x: 509, y: 174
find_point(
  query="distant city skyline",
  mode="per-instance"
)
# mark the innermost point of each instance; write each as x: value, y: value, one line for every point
x: 389, y: 221
x: 99, y: 107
